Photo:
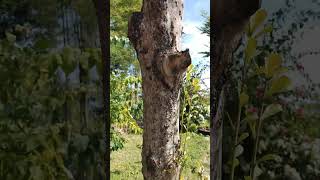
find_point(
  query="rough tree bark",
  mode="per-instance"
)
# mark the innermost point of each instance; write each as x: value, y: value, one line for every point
x: 229, y: 20
x: 155, y: 33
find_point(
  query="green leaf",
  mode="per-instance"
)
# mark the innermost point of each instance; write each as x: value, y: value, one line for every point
x: 43, y: 43
x: 10, y: 37
x: 273, y: 64
x: 259, y: 70
x: 271, y: 110
x: 84, y: 61
x: 48, y: 155
x: 247, y: 178
x: 250, y: 50
x: 57, y: 59
x: 251, y: 117
x: 195, y: 84
x: 268, y: 157
x: 19, y: 28
x: 68, y: 67
x: 44, y: 64
x: 243, y: 99
x: 278, y: 85
x: 238, y: 150
x: 236, y: 162
x: 257, y: 172
x: 251, y: 120
x: 94, y: 57
x: 68, y: 54
x: 189, y: 71
x: 242, y: 137
x: 257, y: 19
x: 69, y: 60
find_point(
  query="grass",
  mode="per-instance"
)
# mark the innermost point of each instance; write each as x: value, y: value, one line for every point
x: 126, y: 163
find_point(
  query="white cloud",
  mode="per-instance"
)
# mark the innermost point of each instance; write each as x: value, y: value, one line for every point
x: 197, y: 42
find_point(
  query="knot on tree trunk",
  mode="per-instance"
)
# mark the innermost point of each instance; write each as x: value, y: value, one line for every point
x: 175, y: 63
x: 173, y: 66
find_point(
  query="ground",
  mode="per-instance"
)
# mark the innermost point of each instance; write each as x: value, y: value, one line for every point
x: 126, y: 163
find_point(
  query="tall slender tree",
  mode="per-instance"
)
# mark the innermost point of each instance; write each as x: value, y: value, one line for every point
x: 229, y: 20
x: 101, y: 7
x: 155, y: 33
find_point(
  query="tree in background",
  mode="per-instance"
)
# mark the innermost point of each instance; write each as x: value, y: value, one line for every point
x: 125, y: 86
x: 122, y: 56
x: 120, y: 10
x: 205, y: 29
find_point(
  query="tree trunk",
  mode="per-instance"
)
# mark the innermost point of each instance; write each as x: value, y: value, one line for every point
x: 229, y: 20
x: 156, y: 36
x: 101, y: 7
x: 223, y: 50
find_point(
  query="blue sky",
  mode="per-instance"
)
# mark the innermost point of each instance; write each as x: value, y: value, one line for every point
x: 197, y: 42
x: 193, y: 39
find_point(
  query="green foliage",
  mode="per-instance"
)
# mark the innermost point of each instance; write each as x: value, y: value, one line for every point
x: 51, y: 125
x: 86, y: 11
x: 24, y: 19
x: 42, y: 134
x: 194, y: 102
x: 123, y: 55
x: 126, y: 102
x: 205, y: 29
x: 295, y: 153
x: 120, y: 11
x: 117, y: 142
x: 272, y: 152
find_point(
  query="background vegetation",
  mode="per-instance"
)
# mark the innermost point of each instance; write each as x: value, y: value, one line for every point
x: 50, y: 98
x: 50, y: 109
x: 274, y: 122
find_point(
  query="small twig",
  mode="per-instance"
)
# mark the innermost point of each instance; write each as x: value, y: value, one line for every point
x: 257, y: 140
x: 235, y: 143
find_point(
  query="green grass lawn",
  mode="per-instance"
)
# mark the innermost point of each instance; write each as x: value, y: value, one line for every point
x: 126, y: 163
